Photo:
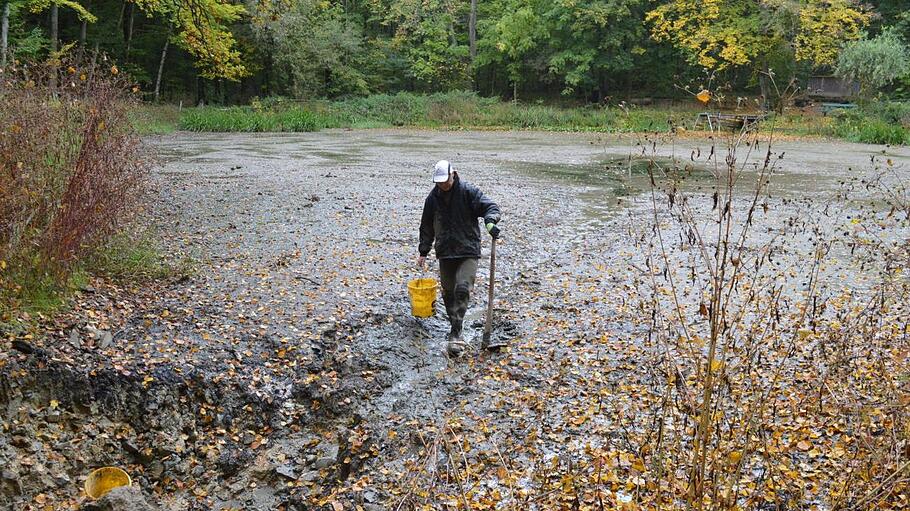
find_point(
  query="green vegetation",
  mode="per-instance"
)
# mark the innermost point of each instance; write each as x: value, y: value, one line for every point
x: 878, y: 122
x: 875, y: 62
x: 33, y: 290
x: 152, y: 119
x: 133, y: 257
x: 590, y: 51
x: 74, y: 172
x: 246, y: 119
x: 455, y: 110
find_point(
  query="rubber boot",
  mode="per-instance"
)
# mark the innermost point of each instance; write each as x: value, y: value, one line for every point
x: 455, y: 345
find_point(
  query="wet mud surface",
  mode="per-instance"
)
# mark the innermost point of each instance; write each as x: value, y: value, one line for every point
x: 286, y: 370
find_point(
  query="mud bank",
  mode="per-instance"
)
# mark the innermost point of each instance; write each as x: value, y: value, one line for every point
x: 287, y: 373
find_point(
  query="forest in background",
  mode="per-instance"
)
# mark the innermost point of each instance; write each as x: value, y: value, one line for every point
x: 218, y: 52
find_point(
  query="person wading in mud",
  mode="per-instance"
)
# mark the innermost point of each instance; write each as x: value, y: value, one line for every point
x: 450, y: 216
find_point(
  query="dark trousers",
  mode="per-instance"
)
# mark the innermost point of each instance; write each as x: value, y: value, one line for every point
x: 457, y: 277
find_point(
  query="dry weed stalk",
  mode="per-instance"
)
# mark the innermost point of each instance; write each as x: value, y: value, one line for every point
x: 733, y: 314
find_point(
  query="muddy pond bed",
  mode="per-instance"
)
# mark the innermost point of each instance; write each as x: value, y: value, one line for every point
x: 285, y: 371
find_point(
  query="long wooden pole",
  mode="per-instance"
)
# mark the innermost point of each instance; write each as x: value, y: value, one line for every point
x: 489, y: 325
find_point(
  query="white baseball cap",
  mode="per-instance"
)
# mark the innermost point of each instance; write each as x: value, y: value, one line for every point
x: 441, y: 171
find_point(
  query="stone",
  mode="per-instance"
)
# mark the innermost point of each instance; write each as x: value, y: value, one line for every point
x: 156, y: 469
x: 124, y: 498
x: 134, y: 450
x: 328, y: 450
x: 62, y: 480
x: 106, y: 340
x: 10, y: 483
x: 325, y: 462
x: 231, y: 460
x: 309, y: 476
x: 286, y: 471
x: 262, y: 469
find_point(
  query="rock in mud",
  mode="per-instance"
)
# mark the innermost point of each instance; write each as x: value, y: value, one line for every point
x: 106, y: 339
x: 286, y: 471
x: 262, y: 469
x: 156, y: 469
x: 327, y: 455
x: 124, y: 498
x: 10, y: 483
x: 309, y: 476
x: 74, y: 339
x: 325, y: 462
x: 230, y: 461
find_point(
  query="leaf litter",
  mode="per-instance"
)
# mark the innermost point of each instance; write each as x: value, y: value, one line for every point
x: 286, y: 372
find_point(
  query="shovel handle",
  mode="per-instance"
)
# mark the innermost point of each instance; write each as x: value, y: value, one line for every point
x: 489, y: 323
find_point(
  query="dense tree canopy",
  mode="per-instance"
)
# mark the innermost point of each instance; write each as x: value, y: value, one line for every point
x: 229, y: 51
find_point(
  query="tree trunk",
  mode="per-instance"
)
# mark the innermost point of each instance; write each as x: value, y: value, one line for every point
x: 54, y: 56
x: 54, y: 24
x: 765, y: 86
x: 200, y: 91
x: 4, y: 33
x: 120, y: 19
x: 82, y: 33
x: 91, y: 68
x: 472, y: 30
x: 161, y: 66
x: 129, y: 33
x: 515, y: 91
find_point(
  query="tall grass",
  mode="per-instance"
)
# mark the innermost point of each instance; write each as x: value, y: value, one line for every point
x: 880, y: 122
x: 149, y: 119
x: 246, y: 119
x: 72, y: 169
x: 454, y: 110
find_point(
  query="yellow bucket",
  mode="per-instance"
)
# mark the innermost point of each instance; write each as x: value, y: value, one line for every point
x: 423, y: 296
x: 104, y: 480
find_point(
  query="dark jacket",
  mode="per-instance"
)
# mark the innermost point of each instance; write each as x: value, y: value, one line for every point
x: 450, y: 218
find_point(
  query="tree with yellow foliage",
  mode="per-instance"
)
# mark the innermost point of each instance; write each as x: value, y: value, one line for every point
x: 721, y: 34
x: 201, y: 28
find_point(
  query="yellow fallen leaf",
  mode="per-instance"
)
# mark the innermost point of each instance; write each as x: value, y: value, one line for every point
x: 803, y: 445
x: 54, y: 404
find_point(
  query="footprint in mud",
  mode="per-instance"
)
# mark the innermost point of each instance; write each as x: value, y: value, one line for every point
x: 501, y: 333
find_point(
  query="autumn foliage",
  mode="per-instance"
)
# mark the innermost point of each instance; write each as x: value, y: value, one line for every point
x: 71, y: 164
